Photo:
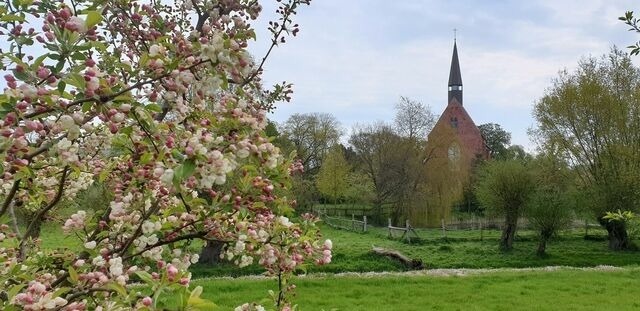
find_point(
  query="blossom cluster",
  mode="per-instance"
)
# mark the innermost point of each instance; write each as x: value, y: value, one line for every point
x: 163, y: 105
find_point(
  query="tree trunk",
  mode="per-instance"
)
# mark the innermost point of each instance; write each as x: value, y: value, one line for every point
x: 545, y: 235
x: 617, y: 231
x: 412, y: 264
x: 508, y: 233
x: 377, y: 212
x: 211, y: 252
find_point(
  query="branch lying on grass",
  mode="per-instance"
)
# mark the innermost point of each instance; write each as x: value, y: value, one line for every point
x: 412, y: 264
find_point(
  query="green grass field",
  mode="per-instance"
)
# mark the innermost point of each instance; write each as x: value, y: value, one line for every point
x: 541, y: 290
x: 565, y: 289
x: 461, y: 249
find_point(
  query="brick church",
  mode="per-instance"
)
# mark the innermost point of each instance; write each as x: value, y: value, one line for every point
x: 453, y: 147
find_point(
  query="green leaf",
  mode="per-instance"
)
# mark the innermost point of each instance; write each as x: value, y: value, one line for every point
x: 188, y: 167
x: 118, y: 288
x: 86, y: 106
x: 128, y: 130
x: 61, y: 86
x: 145, y: 277
x: 93, y: 18
x: 39, y: 61
x: 20, y: 75
x: 201, y: 304
x: 146, y: 158
x: 59, y: 65
x: 183, y: 171
x: 73, y: 275
x: 153, y: 107
x: 12, y: 18
x: 61, y: 291
x: 78, y: 56
x: 15, y: 290
x: 126, y: 97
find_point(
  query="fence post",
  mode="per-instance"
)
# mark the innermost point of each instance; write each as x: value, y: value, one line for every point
x: 389, y: 227
x: 365, y: 223
x: 586, y: 228
x: 481, y: 232
x: 353, y: 222
x: 407, y: 228
x: 444, y: 229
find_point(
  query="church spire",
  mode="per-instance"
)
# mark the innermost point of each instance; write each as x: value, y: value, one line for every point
x: 455, y: 78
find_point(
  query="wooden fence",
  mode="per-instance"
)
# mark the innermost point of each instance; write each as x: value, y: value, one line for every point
x: 406, y: 231
x: 344, y: 223
x: 348, y: 211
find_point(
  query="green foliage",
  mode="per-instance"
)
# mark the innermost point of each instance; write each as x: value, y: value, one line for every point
x: 630, y: 220
x: 496, y: 138
x: 550, y: 207
x: 591, y: 117
x: 305, y: 192
x: 332, y: 178
x: 360, y: 188
x: 631, y: 21
x: 504, y: 187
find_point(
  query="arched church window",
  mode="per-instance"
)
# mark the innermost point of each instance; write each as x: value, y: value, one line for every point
x: 454, y: 122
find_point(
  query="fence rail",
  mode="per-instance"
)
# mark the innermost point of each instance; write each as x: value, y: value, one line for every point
x: 348, y: 211
x: 477, y: 228
x: 406, y: 231
x: 344, y: 223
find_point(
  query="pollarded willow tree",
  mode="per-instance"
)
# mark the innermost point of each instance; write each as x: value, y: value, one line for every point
x: 504, y: 189
x: 163, y: 105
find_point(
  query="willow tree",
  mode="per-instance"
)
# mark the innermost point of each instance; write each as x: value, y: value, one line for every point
x: 551, y: 205
x: 592, y: 117
x: 332, y: 179
x: 504, y: 189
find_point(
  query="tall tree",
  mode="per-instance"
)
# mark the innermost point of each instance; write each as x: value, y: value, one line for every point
x: 497, y: 139
x: 332, y: 177
x: 592, y: 117
x: 379, y: 156
x: 311, y: 135
x: 393, y: 165
x: 413, y: 119
x: 503, y: 189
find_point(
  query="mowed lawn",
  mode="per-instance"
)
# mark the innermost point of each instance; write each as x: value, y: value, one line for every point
x: 539, y: 290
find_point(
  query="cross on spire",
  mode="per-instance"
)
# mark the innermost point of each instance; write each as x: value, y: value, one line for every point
x: 455, y: 31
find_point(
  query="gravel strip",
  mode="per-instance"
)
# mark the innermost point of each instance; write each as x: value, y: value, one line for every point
x: 429, y: 272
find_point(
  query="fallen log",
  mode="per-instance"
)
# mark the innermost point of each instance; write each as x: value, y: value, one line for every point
x: 412, y: 264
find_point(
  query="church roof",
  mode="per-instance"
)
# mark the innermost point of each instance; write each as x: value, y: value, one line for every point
x: 455, y: 78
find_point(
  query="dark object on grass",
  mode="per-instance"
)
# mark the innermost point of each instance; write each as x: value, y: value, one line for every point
x: 412, y: 264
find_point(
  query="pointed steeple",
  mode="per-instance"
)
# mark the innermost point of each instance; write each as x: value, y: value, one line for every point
x: 455, y: 78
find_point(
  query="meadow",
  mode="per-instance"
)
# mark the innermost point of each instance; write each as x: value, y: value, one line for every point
x: 564, y: 289
x: 349, y: 284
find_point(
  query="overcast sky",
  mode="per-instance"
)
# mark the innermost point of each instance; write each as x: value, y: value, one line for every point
x: 355, y: 58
